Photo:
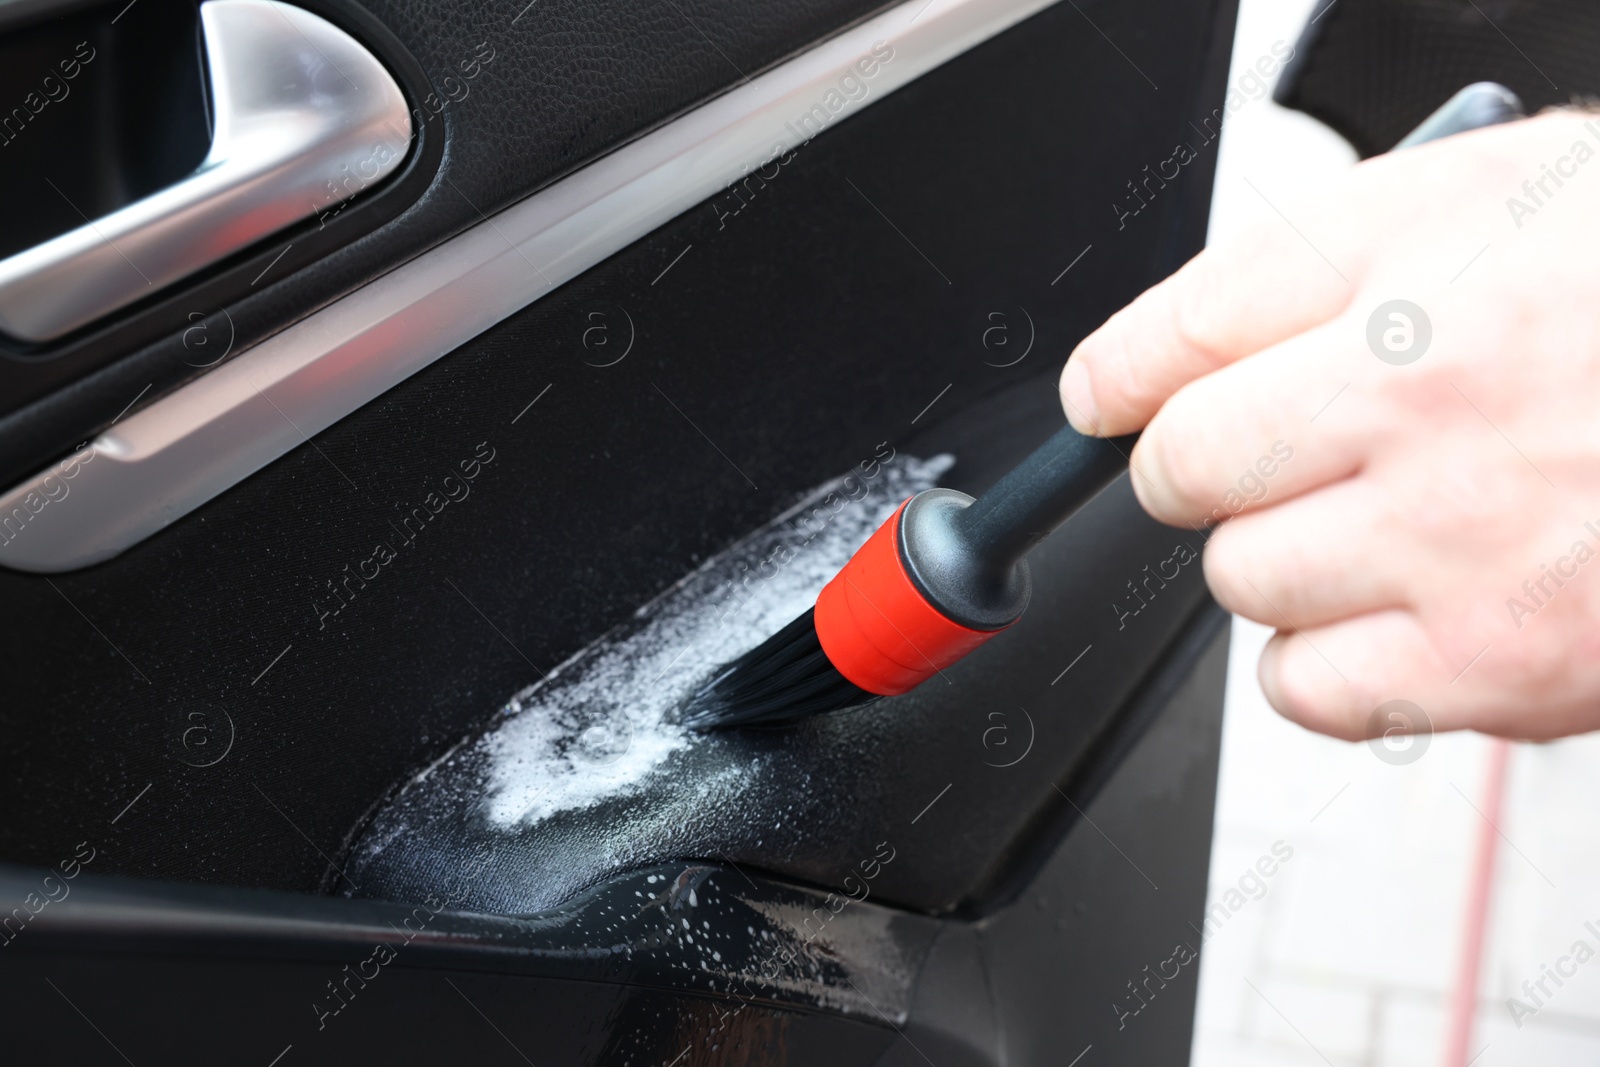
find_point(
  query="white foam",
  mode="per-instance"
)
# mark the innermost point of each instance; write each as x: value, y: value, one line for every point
x: 596, y: 728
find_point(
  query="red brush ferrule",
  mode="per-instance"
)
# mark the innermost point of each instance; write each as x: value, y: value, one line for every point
x: 876, y: 626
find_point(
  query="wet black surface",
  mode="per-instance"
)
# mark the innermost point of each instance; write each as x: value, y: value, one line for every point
x: 949, y: 774
x: 679, y: 964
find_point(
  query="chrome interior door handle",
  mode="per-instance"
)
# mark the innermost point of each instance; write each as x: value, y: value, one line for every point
x: 303, y: 117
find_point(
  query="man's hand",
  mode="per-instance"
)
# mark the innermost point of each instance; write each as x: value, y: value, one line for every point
x: 1426, y: 352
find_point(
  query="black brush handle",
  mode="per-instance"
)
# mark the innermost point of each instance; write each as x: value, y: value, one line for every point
x: 1040, y: 493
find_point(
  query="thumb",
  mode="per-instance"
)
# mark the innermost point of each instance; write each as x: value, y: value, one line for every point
x: 1244, y: 294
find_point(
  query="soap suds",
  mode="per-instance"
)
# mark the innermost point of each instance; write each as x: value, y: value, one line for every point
x: 598, y: 727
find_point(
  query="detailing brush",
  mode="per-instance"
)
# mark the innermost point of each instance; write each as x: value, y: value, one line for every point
x: 947, y: 572
x: 943, y: 575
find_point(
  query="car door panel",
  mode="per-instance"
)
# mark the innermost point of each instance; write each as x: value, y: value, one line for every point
x: 258, y: 706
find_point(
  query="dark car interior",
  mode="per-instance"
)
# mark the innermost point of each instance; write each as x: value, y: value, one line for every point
x: 352, y: 567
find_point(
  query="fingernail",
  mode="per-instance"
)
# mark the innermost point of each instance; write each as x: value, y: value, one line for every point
x: 1077, y: 397
x: 1268, y: 671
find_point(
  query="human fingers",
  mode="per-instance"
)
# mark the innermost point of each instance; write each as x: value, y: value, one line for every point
x: 1341, y: 679
x: 1297, y: 265
x: 1237, y: 297
x: 1332, y: 678
x: 1251, y: 434
x: 1322, y: 557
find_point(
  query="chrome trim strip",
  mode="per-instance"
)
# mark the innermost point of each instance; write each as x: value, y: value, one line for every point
x: 174, y: 455
x: 300, y: 106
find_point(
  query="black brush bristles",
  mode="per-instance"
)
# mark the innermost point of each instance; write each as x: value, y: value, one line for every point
x: 786, y: 677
